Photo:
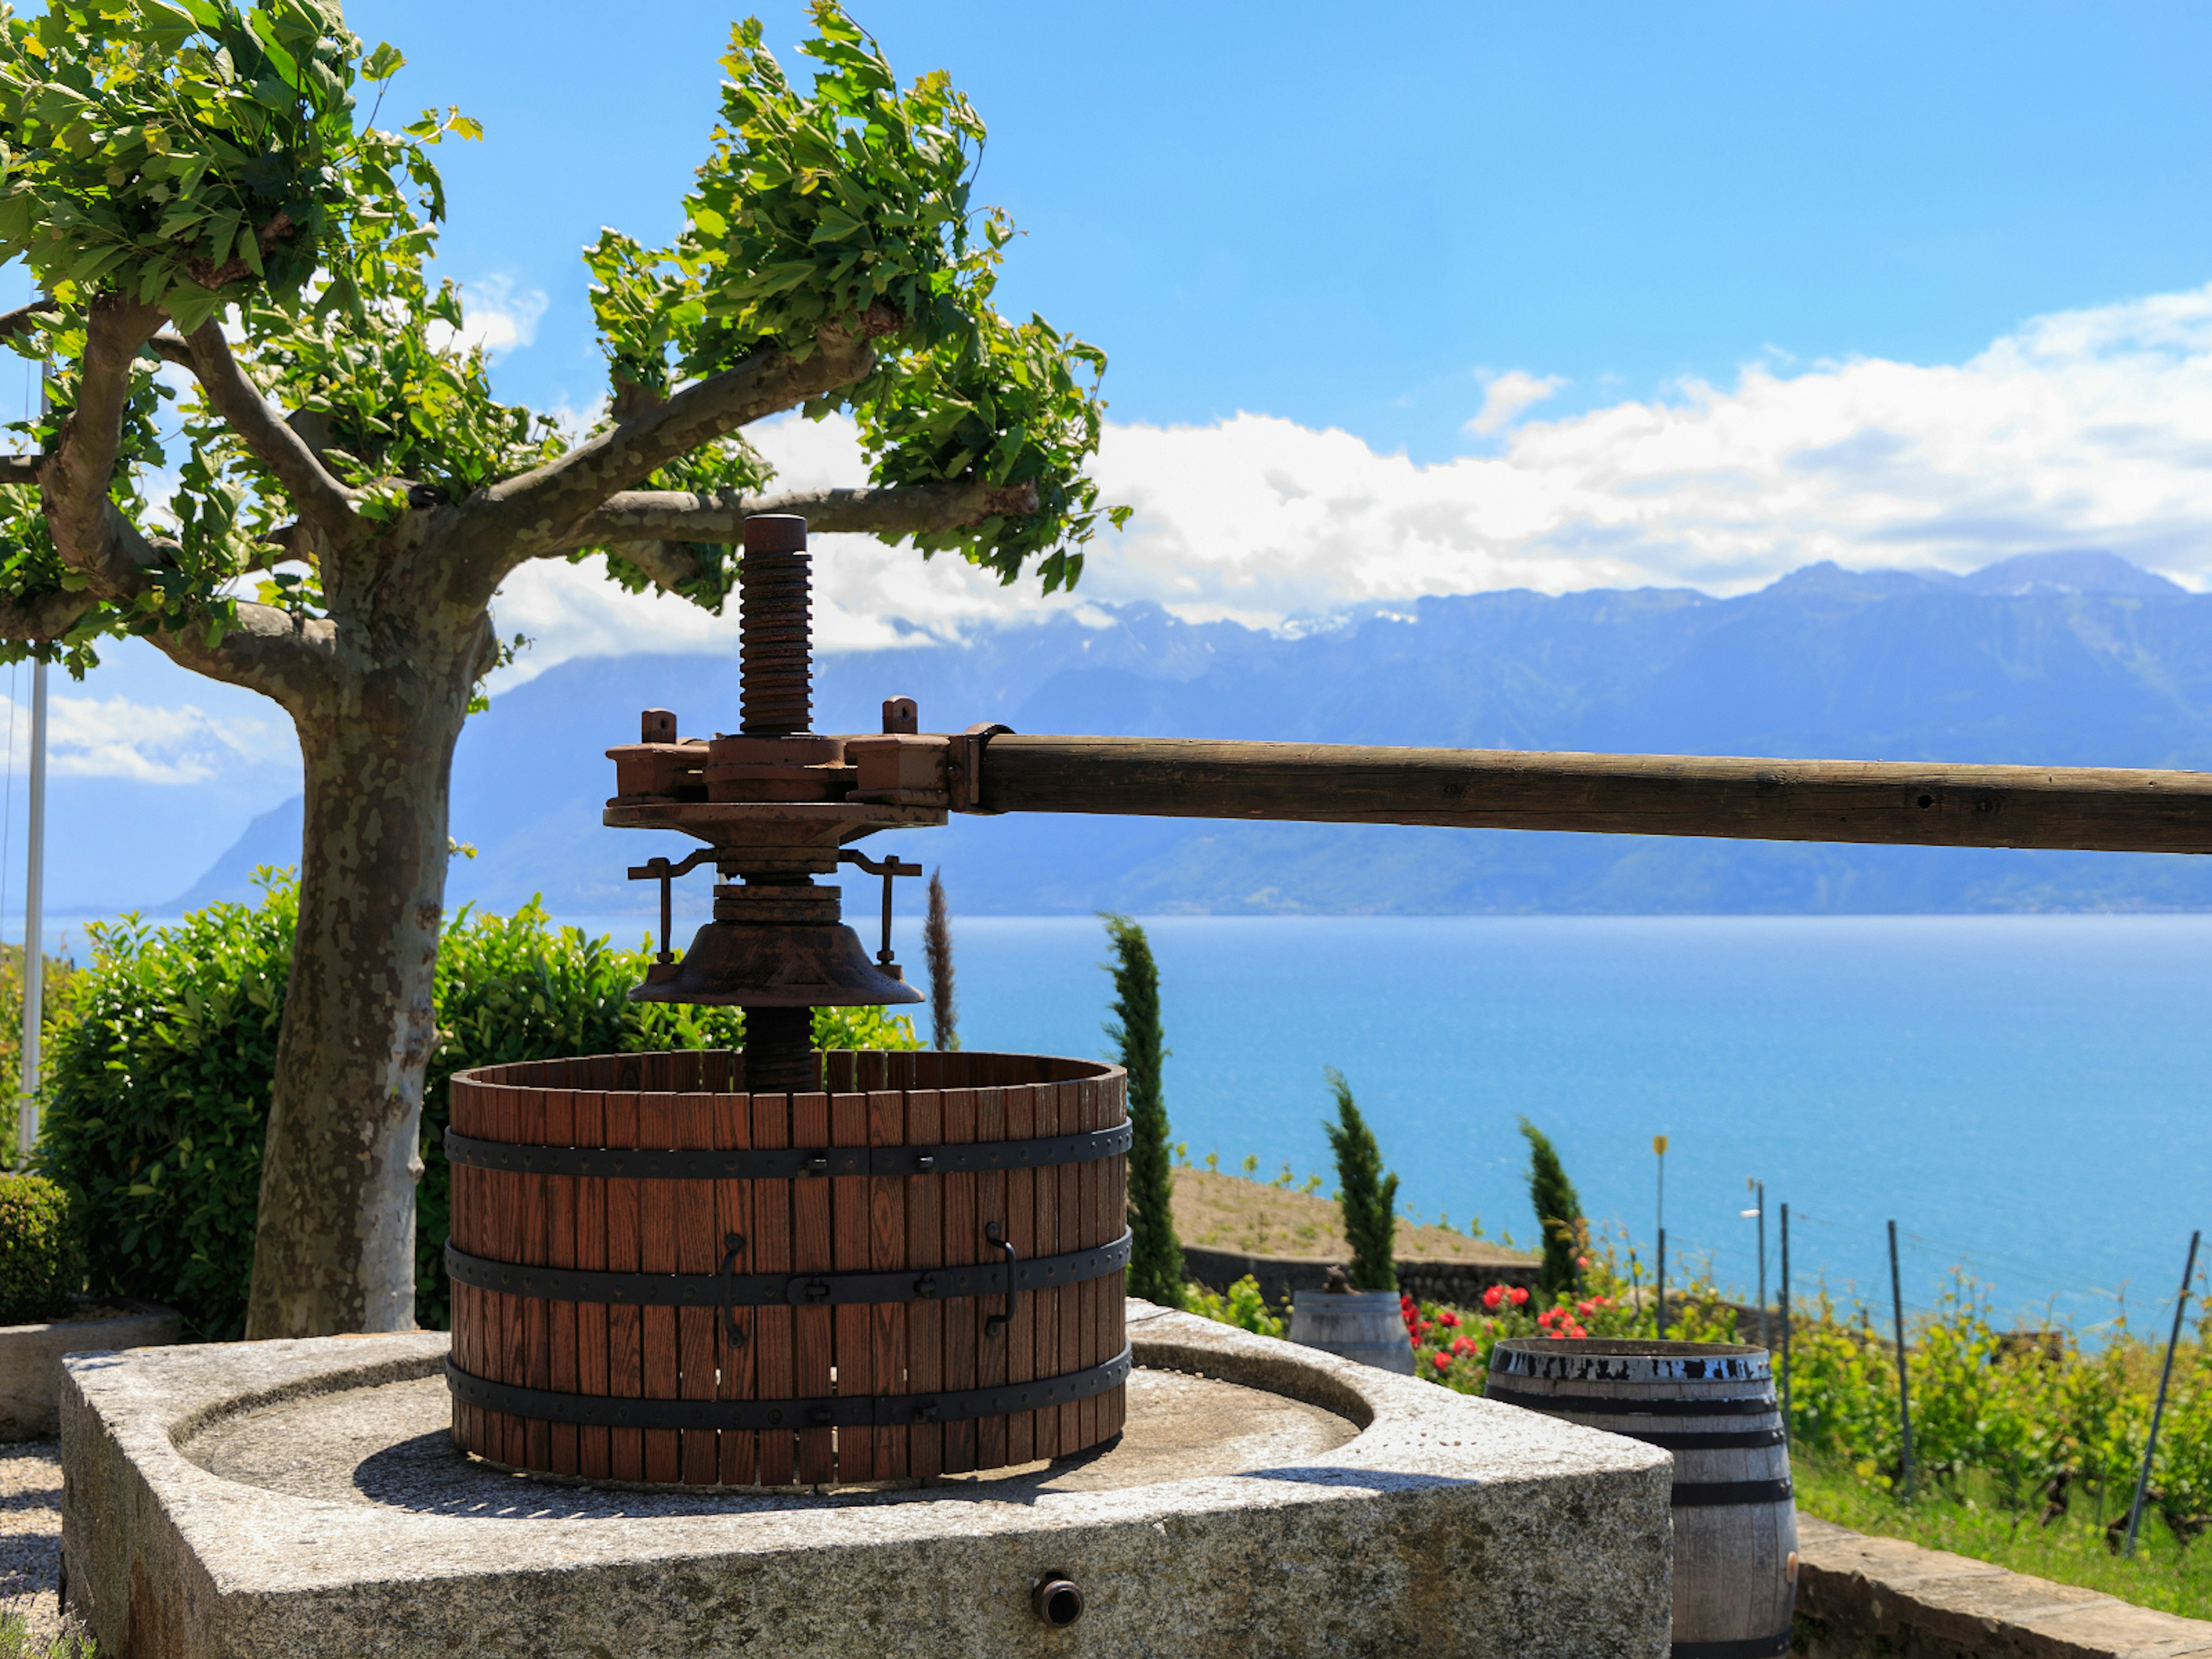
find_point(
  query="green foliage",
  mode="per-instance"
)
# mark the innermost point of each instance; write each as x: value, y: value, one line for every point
x: 1244, y: 1307
x: 1155, y: 1253
x: 17, y: 1641
x: 1560, y: 1221
x: 41, y: 1250
x: 164, y: 1048
x: 157, y: 1098
x: 1368, y: 1197
x: 815, y: 207
x: 183, y: 153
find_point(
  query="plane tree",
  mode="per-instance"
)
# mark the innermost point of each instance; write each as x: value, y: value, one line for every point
x: 270, y: 451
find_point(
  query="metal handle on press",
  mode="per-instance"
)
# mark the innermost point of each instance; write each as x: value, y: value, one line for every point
x: 998, y: 1321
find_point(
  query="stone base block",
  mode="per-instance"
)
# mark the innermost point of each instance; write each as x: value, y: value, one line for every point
x: 30, y: 1357
x: 294, y: 1500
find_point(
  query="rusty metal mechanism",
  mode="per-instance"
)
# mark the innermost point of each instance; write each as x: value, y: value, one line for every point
x: 777, y: 805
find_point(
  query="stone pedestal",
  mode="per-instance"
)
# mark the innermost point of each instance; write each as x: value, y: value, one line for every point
x: 303, y: 1499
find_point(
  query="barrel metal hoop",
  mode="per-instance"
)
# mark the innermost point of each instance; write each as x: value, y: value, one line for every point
x: 802, y: 1290
x: 785, y: 1162
x: 1691, y: 1441
x: 1756, y: 1647
x: 834, y: 1411
x: 1629, y: 1406
x: 1717, y: 1494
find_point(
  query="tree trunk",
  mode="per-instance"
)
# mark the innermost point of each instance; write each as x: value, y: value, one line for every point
x: 334, y: 1243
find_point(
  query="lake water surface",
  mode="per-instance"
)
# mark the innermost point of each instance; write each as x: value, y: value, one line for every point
x: 2024, y: 1094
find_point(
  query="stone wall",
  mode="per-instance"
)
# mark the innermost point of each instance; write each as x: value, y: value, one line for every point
x: 1881, y: 1598
x: 1430, y: 1280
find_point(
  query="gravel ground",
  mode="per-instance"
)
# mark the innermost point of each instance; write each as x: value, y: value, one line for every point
x: 30, y: 1531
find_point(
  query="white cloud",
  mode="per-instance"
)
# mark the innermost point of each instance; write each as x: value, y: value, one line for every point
x: 2090, y: 428
x: 1506, y: 396
x: 145, y: 743
x: 496, y: 315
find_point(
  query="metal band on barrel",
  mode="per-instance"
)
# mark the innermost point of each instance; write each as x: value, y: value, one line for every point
x: 1717, y: 1494
x: 836, y: 1411
x: 802, y: 1290
x: 1628, y: 1406
x: 1691, y: 1441
x: 785, y: 1162
x: 1756, y: 1647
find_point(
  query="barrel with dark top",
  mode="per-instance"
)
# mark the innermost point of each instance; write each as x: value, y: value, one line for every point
x: 1712, y: 1404
x: 914, y: 1269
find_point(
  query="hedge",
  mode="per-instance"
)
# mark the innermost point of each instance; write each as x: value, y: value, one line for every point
x: 163, y: 1049
x: 41, y: 1250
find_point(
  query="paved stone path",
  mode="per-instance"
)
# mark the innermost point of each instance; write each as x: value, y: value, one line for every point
x: 30, y: 1531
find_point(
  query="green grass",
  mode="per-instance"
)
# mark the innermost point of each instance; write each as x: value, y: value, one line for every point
x: 1976, y: 1522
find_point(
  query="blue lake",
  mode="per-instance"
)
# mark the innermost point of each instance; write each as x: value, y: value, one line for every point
x: 2024, y: 1095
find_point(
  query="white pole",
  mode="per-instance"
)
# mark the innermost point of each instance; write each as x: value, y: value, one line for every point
x: 34, y: 944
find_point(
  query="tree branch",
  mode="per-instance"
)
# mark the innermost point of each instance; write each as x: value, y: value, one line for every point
x: 538, y: 512
x: 44, y: 615
x: 287, y: 658
x: 24, y: 317
x: 20, y: 469
x: 90, y: 535
x: 675, y: 515
x: 321, y: 499
x: 172, y: 349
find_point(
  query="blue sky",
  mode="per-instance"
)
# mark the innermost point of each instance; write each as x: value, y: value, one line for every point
x: 1418, y: 300
x: 1342, y: 215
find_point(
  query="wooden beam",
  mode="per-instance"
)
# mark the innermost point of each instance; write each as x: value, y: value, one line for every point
x: 1893, y: 802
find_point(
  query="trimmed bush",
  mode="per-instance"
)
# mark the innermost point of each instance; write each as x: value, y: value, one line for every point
x: 41, y: 1251
x: 1155, y: 1253
x: 164, y: 1048
x: 1560, y: 1221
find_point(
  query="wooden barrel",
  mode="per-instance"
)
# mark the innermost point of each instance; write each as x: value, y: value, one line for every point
x: 917, y: 1270
x: 1712, y: 1404
x: 1366, y: 1326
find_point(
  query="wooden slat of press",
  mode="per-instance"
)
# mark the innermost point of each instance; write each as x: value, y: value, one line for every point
x: 964, y: 1326
x: 887, y: 1326
x: 928, y: 1074
x: 1044, y: 1332
x: 593, y: 1454
x: 466, y: 1207
x: 510, y: 1361
x: 775, y: 1365
x: 837, y: 1071
x: 733, y: 1213
x: 991, y: 1368
x: 1071, y: 1336
x: 559, y: 1130
x: 1093, y: 1186
x: 1021, y: 1228
x: 852, y: 1340
x: 537, y: 1312
x: 924, y: 1248
x: 656, y: 1226
x: 625, y: 1364
x: 697, y: 1252
x: 1113, y: 1290
x: 813, y: 1249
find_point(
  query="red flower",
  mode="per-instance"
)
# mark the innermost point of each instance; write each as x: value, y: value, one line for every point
x: 1576, y: 1332
x: 1585, y: 1309
x: 1555, y: 1335
x: 1444, y: 1362
x: 1520, y: 1295
x: 1582, y: 1262
x: 1489, y: 1297
x: 1462, y: 1344
x: 1447, y: 1317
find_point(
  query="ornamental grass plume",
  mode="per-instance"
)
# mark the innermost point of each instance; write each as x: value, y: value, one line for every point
x: 937, y: 953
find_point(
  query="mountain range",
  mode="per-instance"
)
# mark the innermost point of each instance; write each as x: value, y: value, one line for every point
x: 2057, y: 659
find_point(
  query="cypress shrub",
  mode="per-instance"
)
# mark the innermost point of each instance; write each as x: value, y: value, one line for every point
x: 1559, y: 1213
x: 164, y: 1050
x: 1369, y: 1197
x: 1155, y: 1253
x: 41, y: 1250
